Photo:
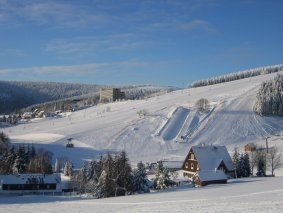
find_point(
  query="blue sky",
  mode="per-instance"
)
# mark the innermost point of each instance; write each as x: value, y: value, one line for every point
x: 126, y: 42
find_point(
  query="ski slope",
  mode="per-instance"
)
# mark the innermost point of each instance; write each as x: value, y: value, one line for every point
x: 113, y: 127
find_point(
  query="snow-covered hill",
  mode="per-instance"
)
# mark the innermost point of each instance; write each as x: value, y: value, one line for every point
x: 169, y: 126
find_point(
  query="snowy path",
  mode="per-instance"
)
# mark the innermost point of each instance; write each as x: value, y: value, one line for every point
x: 174, y: 124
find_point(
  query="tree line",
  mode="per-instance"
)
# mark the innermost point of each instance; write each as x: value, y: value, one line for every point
x: 238, y: 75
x: 17, y: 95
x: 261, y: 159
x: 112, y: 176
x: 23, y: 159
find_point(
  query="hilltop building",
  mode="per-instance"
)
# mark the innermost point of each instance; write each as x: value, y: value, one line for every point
x: 110, y: 95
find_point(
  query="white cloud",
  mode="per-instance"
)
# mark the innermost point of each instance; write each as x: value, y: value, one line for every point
x: 92, y: 44
x: 52, y: 13
x: 196, y: 24
x: 59, y: 70
x: 129, y: 66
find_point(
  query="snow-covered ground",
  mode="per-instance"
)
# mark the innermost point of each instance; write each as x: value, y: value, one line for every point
x: 157, y: 135
x: 240, y: 195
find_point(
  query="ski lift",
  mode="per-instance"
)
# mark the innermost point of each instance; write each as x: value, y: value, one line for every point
x: 69, y: 143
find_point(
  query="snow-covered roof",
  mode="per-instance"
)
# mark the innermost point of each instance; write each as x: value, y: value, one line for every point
x: 172, y: 164
x: 210, y: 157
x: 211, y: 175
x: 29, y: 179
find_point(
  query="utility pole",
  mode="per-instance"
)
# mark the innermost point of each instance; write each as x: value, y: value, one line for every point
x: 266, y: 142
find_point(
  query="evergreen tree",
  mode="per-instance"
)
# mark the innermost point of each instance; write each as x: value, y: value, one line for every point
x: 68, y: 169
x: 269, y: 100
x: 20, y: 165
x: 161, y: 176
x: 241, y: 164
x: 107, y: 184
x: 122, y: 174
x: 82, y: 179
x: 240, y: 167
x: 140, y: 181
x: 7, y: 161
x: 4, y: 142
x: 247, y: 166
x: 261, y: 162
x: 57, y: 166
x: 102, y: 186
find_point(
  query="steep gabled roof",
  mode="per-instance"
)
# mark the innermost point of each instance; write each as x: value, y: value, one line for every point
x: 210, y: 157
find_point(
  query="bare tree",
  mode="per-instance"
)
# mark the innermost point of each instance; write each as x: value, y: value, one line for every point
x: 202, y: 104
x: 253, y: 161
x: 275, y: 159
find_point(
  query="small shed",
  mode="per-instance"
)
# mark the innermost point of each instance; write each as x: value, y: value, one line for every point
x: 250, y: 147
x: 203, y: 178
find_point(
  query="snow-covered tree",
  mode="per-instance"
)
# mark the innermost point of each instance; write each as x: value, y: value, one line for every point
x: 4, y: 142
x: 238, y: 75
x: 241, y: 163
x: 269, y: 99
x: 243, y: 168
x: 122, y: 174
x: 202, y: 104
x: 140, y: 181
x: 20, y: 163
x: 57, y: 166
x: 68, y: 169
x: 161, y: 176
x: 7, y: 161
x: 102, y: 186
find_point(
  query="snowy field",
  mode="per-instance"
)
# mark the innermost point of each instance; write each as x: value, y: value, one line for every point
x: 241, y: 195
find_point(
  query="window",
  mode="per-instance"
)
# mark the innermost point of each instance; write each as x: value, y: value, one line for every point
x: 186, y: 165
x: 192, y: 166
x: 192, y: 156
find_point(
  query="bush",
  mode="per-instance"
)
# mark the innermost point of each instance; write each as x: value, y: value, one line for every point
x: 202, y: 104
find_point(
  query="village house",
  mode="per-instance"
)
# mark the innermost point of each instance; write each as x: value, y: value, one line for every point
x: 30, y: 183
x: 208, y: 164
